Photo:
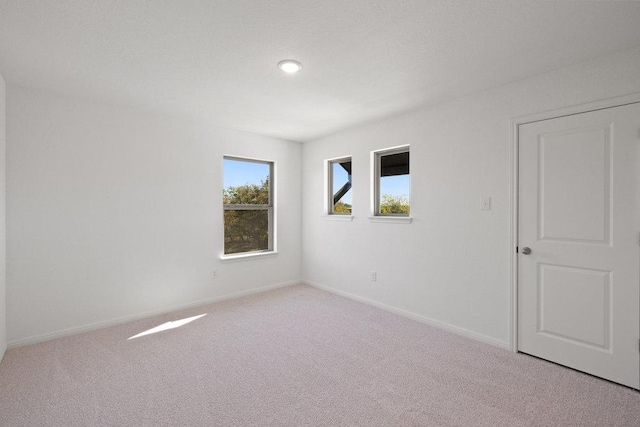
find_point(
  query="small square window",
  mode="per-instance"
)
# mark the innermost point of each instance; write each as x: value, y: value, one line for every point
x: 248, y: 205
x: 339, y: 184
x: 391, y: 192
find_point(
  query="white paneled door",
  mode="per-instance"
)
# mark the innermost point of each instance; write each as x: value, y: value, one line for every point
x: 578, y: 242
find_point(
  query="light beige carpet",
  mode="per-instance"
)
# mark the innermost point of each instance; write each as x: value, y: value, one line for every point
x: 296, y: 356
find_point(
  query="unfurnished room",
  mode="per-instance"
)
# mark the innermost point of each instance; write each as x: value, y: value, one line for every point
x: 319, y: 213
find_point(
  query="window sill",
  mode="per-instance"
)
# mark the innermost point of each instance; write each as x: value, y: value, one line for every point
x: 391, y: 219
x: 337, y: 217
x: 247, y: 256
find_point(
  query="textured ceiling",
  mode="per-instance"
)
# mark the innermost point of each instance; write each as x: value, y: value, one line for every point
x: 365, y: 59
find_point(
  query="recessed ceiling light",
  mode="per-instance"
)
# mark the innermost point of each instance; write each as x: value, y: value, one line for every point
x: 290, y: 66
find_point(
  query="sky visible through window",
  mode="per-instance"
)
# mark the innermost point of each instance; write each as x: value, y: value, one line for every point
x: 239, y: 172
x: 394, y: 185
x: 397, y: 185
x: 242, y: 172
x: 340, y: 177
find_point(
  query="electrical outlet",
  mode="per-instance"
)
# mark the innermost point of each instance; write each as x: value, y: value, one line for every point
x: 485, y: 203
x: 374, y: 276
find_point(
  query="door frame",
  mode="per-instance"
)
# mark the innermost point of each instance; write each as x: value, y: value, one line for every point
x: 516, y: 122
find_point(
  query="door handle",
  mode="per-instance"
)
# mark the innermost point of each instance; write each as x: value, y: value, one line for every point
x: 526, y: 251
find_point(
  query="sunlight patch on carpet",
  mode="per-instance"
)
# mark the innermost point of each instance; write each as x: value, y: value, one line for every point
x: 166, y: 326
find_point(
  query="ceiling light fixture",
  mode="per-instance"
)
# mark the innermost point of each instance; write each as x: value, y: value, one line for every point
x: 290, y: 66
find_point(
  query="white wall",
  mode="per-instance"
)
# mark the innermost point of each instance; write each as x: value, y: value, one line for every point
x: 3, y: 217
x: 114, y: 213
x: 451, y: 265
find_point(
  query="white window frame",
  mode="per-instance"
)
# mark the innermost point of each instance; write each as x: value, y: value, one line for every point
x: 269, y: 207
x: 329, y: 205
x: 376, y: 158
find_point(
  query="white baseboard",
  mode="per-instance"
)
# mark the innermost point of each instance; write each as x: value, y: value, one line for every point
x: 431, y: 322
x: 100, y: 325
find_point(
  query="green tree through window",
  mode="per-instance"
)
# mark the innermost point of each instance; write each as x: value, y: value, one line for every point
x: 392, y: 188
x: 394, y: 204
x: 248, y: 208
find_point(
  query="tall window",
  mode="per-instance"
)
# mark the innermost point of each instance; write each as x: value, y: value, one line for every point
x: 391, y: 182
x: 248, y: 205
x: 340, y: 193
